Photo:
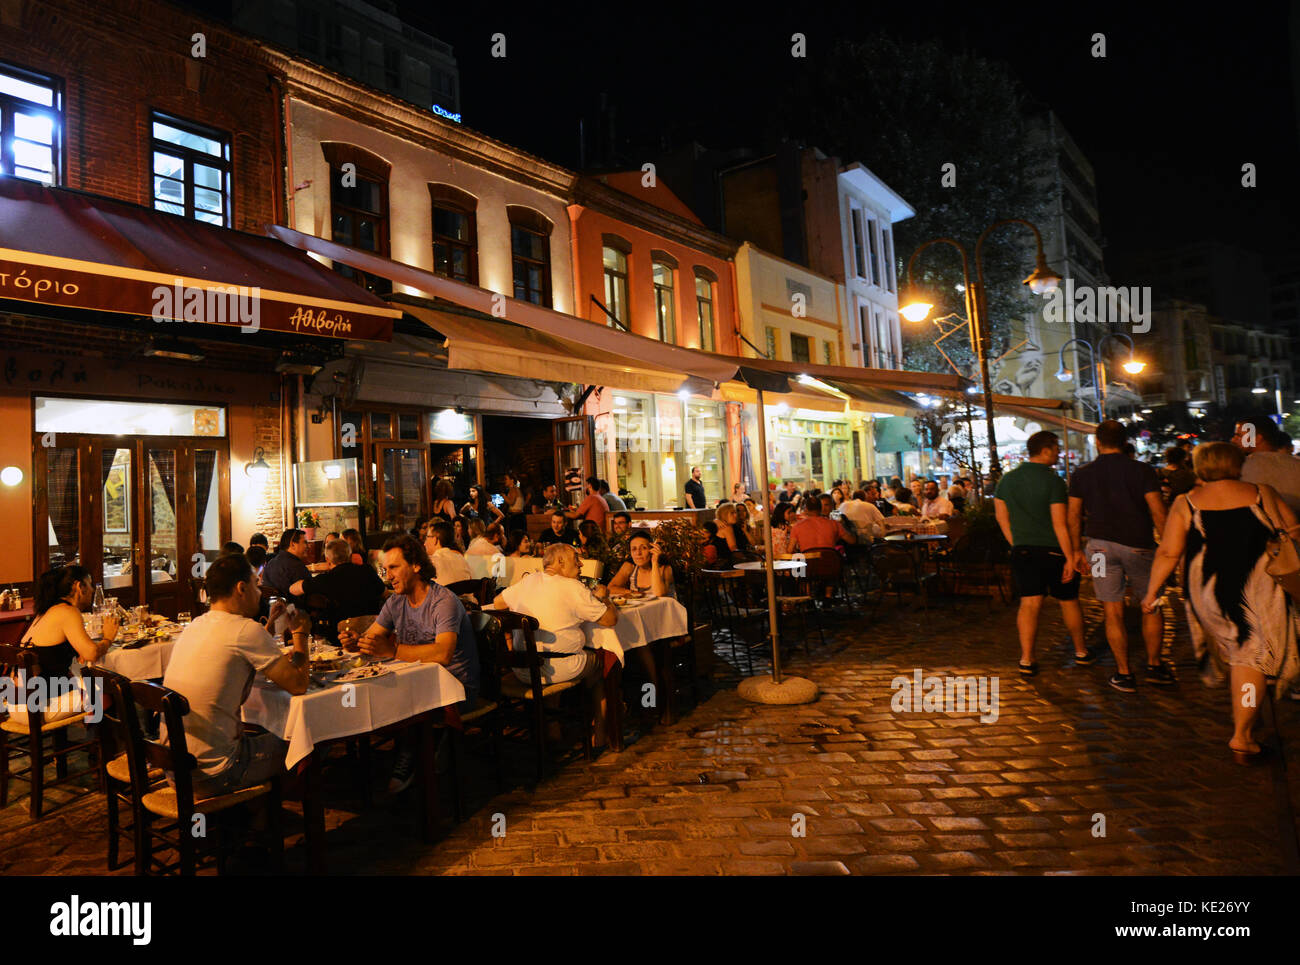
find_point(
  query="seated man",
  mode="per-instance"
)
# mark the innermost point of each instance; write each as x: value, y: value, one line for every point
x: 421, y: 622
x: 560, y: 532
x: 934, y: 506
x: 353, y: 590
x: 867, y: 520
x: 561, y: 604
x: 289, y: 564
x: 213, y: 665
x: 448, y: 562
x: 813, y: 531
x: 547, y: 500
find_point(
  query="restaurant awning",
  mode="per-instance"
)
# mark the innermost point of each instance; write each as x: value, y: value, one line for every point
x: 62, y: 247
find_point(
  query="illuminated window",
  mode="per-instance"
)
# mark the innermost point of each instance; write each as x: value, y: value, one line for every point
x: 191, y: 170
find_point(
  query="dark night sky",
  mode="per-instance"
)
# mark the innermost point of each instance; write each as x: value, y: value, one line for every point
x: 1182, y: 100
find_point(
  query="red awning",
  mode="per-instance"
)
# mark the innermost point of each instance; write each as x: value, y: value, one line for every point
x: 60, y: 247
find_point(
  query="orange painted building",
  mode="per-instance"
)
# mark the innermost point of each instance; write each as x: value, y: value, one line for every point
x: 643, y: 261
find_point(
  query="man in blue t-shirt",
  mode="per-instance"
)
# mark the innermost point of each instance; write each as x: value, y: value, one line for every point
x: 1121, y: 500
x: 421, y: 622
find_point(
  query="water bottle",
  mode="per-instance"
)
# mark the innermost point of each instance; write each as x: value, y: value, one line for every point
x: 99, y: 597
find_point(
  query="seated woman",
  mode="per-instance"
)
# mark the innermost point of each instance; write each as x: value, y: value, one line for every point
x: 459, y: 534
x: 717, y: 554
x: 591, y: 540
x: 731, y: 528
x: 59, y: 636
x: 518, y: 544
x: 645, y: 572
x: 781, y: 528
x: 358, y: 548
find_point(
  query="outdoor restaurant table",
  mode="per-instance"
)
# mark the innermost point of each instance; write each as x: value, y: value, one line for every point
x: 915, y: 537
x: 639, y: 625
x: 412, y: 691
x: 148, y: 662
x: 778, y: 566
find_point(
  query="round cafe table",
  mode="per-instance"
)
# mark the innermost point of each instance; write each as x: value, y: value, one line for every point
x: 779, y: 566
x: 915, y: 537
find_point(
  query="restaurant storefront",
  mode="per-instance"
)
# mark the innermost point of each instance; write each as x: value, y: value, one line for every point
x: 147, y: 386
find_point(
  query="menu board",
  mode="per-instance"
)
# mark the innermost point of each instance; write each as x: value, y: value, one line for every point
x: 327, y: 482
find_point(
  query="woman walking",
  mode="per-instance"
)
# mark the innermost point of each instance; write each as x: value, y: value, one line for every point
x: 1222, y: 528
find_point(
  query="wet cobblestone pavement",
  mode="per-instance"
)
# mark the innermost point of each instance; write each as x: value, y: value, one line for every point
x: 726, y: 788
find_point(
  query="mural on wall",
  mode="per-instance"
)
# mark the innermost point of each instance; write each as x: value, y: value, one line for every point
x: 1030, y: 365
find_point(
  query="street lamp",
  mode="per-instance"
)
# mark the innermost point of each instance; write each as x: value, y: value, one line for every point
x: 1277, y: 392
x: 1097, y: 359
x: 1041, y: 281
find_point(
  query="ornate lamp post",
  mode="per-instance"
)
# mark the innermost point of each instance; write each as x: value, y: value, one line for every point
x: 1041, y: 281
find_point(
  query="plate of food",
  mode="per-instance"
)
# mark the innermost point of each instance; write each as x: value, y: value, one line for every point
x: 363, y: 673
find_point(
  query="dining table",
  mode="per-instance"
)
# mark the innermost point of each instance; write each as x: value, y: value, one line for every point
x: 141, y: 661
x: 421, y: 694
x: 641, y: 623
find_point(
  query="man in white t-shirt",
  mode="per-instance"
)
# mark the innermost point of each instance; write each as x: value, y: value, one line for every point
x: 213, y: 665
x: 934, y: 506
x: 867, y: 520
x: 448, y: 563
x: 561, y: 604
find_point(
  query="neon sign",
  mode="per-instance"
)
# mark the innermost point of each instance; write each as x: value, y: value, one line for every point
x: 443, y: 112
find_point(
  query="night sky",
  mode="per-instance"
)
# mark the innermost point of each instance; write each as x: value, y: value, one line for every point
x: 1184, y: 97
x: 1182, y: 100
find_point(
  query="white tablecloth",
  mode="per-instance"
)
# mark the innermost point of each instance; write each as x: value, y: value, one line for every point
x: 637, y: 626
x: 140, y: 663
x: 345, y: 710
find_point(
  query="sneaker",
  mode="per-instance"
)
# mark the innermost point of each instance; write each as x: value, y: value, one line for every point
x: 1087, y: 659
x: 1123, y: 682
x: 403, y: 772
x: 1161, y: 674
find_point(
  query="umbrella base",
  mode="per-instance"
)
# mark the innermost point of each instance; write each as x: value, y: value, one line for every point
x: 791, y: 690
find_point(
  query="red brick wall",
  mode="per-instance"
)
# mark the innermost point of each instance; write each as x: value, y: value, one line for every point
x: 117, y: 62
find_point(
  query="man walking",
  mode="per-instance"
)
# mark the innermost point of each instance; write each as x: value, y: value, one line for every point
x: 1029, y: 504
x: 1122, y: 501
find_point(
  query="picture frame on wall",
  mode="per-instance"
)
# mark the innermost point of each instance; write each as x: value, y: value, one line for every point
x: 117, y: 500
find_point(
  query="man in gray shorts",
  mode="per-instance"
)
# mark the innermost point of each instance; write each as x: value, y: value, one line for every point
x: 1121, y: 498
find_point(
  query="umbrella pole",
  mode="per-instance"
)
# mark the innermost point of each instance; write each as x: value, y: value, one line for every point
x: 767, y: 541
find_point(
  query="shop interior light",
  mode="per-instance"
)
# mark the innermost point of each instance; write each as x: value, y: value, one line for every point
x: 332, y: 470
x: 11, y: 475
x: 259, y: 470
x: 1259, y: 390
x: 683, y: 395
x: 1146, y: 411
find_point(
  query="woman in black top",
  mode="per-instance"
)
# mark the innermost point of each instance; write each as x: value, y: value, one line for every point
x: 59, y: 636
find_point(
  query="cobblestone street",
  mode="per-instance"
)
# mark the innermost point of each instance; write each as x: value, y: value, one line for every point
x: 879, y: 791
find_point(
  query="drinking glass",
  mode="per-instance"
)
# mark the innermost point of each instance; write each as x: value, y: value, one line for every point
x: 183, y: 617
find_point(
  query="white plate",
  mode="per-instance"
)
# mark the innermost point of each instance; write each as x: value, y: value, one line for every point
x: 362, y: 673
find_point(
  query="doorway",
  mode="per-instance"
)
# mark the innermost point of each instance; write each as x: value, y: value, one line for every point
x: 521, y: 445
x: 143, y: 514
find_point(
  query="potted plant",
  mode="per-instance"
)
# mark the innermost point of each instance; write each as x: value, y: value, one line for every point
x: 308, y: 521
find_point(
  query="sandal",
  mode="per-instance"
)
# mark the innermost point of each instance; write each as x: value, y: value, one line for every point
x: 1029, y: 669
x: 1247, y: 757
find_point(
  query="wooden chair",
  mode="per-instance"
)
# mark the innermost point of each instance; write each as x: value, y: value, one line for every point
x: 480, y: 590
x: 897, y: 569
x: 531, y: 696
x: 175, y: 802
x: 25, y: 661
x: 973, y: 558
x: 485, y: 716
x: 118, y: 729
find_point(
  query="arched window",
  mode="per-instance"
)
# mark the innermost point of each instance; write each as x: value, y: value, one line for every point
x: 614, y: 253
x: 359, y: 206
x: 530, y: 254
x: 704, y: 282
x: 665, y: 310
x: 455, y: 233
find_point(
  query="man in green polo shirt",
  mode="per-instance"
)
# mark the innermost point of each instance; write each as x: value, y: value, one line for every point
x: 1030, y: 505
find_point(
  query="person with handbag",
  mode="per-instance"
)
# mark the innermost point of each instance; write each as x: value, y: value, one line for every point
x: 1237, y: 541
